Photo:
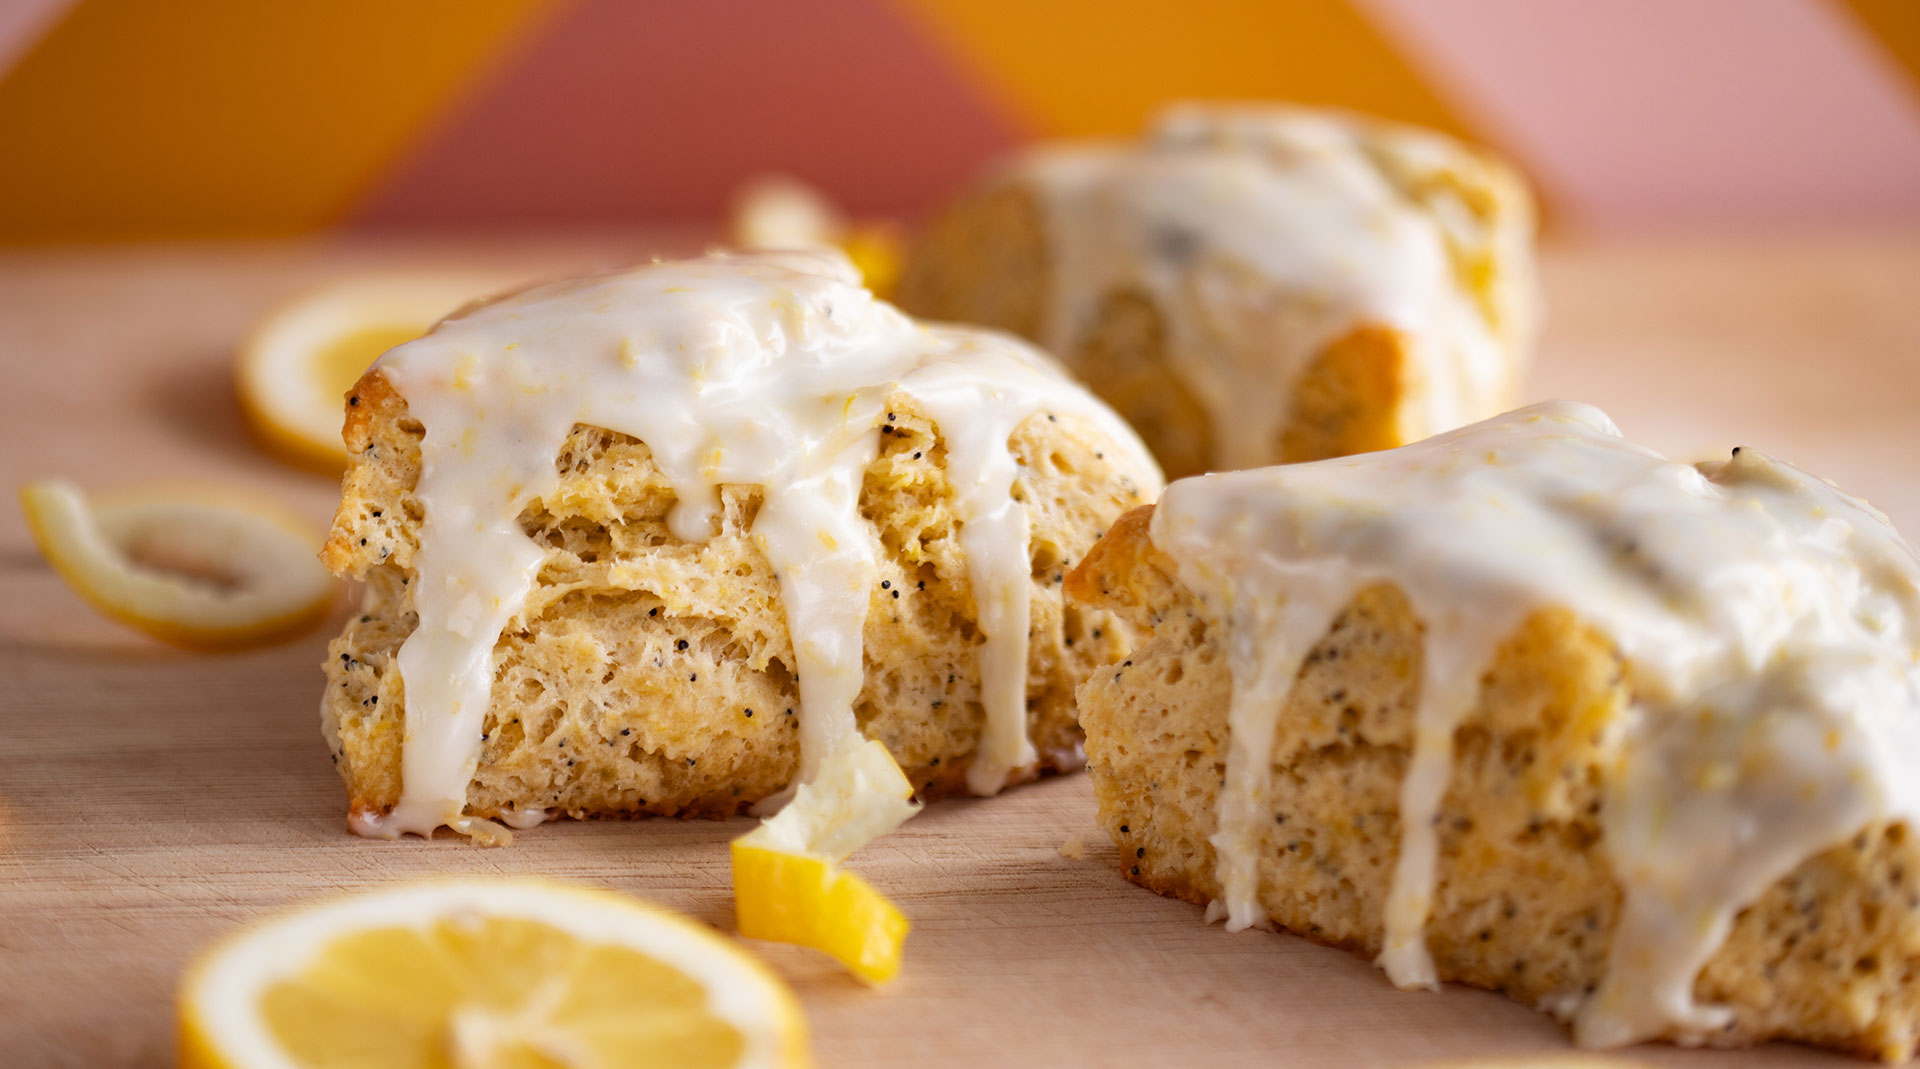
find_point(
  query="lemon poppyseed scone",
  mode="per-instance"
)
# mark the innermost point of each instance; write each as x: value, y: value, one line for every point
x: 1253, y: 284
x: 657, y: 541
x: 1530, y: 708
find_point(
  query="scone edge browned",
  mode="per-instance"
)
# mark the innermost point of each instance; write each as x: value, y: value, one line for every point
x: 984, y: 258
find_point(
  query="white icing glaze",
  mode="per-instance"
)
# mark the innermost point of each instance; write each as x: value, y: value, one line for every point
x: 522, y: 819
x: 765, y: 369
x: 1769, y: 622
x: 1263, y: 234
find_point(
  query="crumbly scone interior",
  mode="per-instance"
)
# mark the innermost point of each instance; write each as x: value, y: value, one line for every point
x: 1525, y: 901
x: 649, y: 674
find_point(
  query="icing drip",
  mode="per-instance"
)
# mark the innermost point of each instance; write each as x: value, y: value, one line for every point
x: 763, y: 369
x: 1264, y: 235
x: 1769, y: 622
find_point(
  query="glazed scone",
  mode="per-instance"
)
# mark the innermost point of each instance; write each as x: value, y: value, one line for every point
x: 593, y: 517
x: 1655, y: 727
x: 1253, y: 284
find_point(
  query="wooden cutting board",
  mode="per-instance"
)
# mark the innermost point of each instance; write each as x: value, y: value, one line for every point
x: 151, y: 800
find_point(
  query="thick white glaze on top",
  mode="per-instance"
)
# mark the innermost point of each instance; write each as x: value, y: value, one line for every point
x: 765, y: 369
x: 1770, y: 624
x: 1264, y: 234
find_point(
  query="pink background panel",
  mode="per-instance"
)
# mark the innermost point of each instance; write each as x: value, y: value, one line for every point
x: 657, y: 109
x: 1702, y: 111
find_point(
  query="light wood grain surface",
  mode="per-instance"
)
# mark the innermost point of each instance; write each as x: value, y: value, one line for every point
x: 151, y: 800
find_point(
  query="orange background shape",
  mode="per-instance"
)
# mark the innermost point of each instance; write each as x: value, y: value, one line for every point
x: 221, y: 118
x: 240, y: 118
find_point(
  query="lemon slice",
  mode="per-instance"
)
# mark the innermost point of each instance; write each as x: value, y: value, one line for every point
x: 787, y: 884
x: 485, y: 973
x: 194, y: 567
x: 780, y: 212
x: 303, y: 358
x: 777, y: 211
x: 876, y: 249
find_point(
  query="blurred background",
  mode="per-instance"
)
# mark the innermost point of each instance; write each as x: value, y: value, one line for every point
x: 138, y: 119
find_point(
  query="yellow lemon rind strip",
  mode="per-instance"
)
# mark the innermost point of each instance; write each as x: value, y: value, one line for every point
x: 789, y: 898
x: 787, y: 883
x: 66, y: 527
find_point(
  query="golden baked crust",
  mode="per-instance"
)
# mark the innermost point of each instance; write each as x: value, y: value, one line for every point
x: 1525, y: 901
x: 651, y: 675
x: 984, y: 259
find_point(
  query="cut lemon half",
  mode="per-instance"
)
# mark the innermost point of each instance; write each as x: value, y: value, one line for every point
x: 199, y: 568
x: 485, y: 973
x: 787, y: 883
x: 296, y: 369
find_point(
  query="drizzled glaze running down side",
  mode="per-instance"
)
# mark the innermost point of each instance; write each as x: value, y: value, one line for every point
x: 766, y: 369
x: 1264, y: 234
x: 1770, y: 624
